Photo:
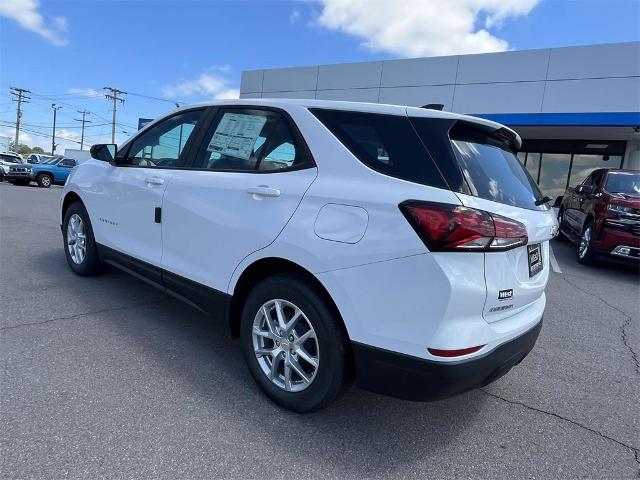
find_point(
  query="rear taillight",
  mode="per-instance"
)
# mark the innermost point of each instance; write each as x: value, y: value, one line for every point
x: 454, y: 228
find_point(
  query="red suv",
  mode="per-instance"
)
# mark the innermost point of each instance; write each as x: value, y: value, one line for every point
x: 602, y: 215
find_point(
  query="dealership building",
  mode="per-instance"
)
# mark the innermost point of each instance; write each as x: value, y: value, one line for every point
x: 576, y: 108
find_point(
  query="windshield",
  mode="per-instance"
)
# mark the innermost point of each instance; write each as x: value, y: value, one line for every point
x: 51, y: 160
x: 10, y: 158
x: 623, y: 182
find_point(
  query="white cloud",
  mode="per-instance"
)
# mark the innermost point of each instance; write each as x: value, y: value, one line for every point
x: 423, y: 27
x: 204, y: 85
x: 294, y: 16
x: 86, y: 92
x: 26, y: 13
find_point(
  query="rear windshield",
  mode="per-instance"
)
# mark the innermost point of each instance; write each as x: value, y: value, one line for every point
x: 627, y: 183
x: 496, y: 174
x: 385, y: 143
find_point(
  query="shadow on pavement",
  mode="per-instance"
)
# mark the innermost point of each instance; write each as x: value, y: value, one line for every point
x: 362, y: 433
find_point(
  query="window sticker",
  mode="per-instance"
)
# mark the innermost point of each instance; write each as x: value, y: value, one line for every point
x: 237, y: 134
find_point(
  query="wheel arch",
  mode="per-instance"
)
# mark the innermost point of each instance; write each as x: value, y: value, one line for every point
x: 45, y: 172
x: 69, y: 198
x: 266, y: 267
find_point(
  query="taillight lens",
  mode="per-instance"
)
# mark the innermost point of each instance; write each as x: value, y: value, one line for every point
x: 455, y: 228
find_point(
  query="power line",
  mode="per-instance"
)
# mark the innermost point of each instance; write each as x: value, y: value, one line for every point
x: 19, y: 95
x: 150, y: 97
x: 113, y: 96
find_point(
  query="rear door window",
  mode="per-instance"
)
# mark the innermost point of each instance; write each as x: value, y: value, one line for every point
x: 385, y: 143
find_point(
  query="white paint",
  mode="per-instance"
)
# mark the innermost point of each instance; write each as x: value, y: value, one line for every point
x: 390, y: 290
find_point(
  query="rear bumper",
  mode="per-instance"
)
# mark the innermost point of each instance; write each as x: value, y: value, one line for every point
x: 417, y: 379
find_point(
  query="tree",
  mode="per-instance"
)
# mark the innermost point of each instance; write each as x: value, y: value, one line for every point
x: 24, y: 149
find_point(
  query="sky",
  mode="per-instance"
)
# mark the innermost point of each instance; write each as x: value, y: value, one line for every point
x: 189, y: 51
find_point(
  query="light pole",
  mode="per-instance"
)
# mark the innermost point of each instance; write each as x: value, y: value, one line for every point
x: 53, y: 133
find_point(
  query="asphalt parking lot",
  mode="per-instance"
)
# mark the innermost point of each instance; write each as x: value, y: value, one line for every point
x: 107, y: 377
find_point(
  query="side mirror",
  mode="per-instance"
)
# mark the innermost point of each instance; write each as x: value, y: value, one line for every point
x: 104, y: 151
x: 585, y: 189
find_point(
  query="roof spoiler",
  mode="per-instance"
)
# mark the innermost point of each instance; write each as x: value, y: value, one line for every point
x: 433, y: 106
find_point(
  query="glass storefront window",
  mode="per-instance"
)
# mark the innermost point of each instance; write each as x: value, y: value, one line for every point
x: 533, y: 165
x: 553, y: 174
x: 584, y: 164
x: 522, y: 156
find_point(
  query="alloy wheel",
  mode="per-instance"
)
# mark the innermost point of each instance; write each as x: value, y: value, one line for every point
x: 285, y: 345
x: 76, y: 239
x: 585, y: 241
x: 46, y: 181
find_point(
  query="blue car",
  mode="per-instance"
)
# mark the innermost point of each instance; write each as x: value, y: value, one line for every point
x: 52, y: 171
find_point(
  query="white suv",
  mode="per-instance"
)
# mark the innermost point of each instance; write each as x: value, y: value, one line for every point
x: 405, y: 247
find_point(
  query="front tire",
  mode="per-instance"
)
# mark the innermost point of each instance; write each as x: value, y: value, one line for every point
x: 561, y: 236
x: 584, y: 251
x: 293, y: 345
x: 44, y: 180
x: 79, y: 243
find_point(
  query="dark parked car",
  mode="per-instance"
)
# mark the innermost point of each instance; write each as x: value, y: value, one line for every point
x: 602, y: 215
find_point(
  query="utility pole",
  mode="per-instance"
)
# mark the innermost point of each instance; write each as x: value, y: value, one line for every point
x: 19, y: 95
x: 113, y: 97
x: 83, y: 120
x: 53, y: 134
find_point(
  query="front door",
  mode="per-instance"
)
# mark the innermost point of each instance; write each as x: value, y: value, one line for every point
x: 249, y: 175
x: 131, y: 192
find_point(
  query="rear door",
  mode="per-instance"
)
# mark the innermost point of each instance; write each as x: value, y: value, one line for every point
x: 250, y: 172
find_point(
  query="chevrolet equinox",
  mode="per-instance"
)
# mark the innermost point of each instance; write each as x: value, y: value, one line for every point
x: 402, y: 247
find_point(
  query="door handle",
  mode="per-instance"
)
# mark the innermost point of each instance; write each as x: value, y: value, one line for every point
x: 154, y: 181
x: 263, y: 191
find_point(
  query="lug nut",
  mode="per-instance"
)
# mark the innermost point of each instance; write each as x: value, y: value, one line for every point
x: 291, y: 339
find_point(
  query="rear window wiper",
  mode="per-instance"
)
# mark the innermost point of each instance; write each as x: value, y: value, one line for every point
x: 542, y: 201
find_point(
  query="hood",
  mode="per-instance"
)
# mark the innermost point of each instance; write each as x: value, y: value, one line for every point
x: 625, y: 199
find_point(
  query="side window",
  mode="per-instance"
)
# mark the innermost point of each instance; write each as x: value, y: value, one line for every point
x: 245, y: 140
x: 162, y: 144
x: 588, y: 180
x: 68, y: 163
x: 385, y: 143
x: 237, y: 139
x: 596, y: 178
x: 281, y: 150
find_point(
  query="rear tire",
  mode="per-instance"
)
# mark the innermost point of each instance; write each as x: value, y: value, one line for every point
x: 44, y: 180
x: 584, y: 251
x: 319, y: 384
x: 79, y: 243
